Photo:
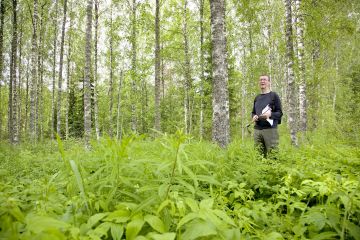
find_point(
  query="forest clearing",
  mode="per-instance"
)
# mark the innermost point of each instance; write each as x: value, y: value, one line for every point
x: 142, y: 119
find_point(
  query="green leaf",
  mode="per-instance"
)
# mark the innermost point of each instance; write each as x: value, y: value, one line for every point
x: 206, y: 203
x: 274, y: 236
x: 117, y: 231
x: 94, y: 219
x: 17, y: 214
x: 155, y: 222
x: 133, y: 228
x: 354, y: 230
x: 224, y: 217
x: 164, y: 236
x: 118, y: 216
x: 186, y: 219
x: 102, y: 229
x: 192, y: 204
x: 163, y: 204
x: 198, y: 229
x: 325, y: 236
x: 38, y: 224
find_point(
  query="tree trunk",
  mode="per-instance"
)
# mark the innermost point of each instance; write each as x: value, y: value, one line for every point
x: 87, y: 87
x: 133, y: 68
x: 13, y: 94
x: 58, y: 115
x: 20, y: 43
x: 96, y: 111
x: 202, y: 67
x: 302, y: 78
x: 221, y: 122
x: 68, y: 68
x: 111, y: 80
x: 118, y: 126
x: 52, y: 120
x: 157, y: 124
x: 2, y: 17
x: 187, y: 82
x: 290, y: 74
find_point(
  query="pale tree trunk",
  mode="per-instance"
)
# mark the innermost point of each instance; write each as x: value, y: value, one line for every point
x: 40, y: 85
x: 96, y: 110
x: 221, y: 121
x: 2, y: 17
x: 133, y: 68
x: 52, y: 120
x: 33, y: 83
x: 157, y: 125
x: 290, y: 74
x: 19, y: 118
x: 187, y: 82
x: 202, y: 69
x: 111, y: 80
x: 13, y: 94
x: 87, y: 87
x: 68, y: 69
x: 301, y: 51
x: 27, y: 95
x: 60, y: 80
x: 144, y: 105
x: 118, y: 124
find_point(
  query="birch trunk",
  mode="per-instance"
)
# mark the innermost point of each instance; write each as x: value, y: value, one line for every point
x: 52, y: 120
x: 60, y: 80
x: 111, y: 83
x: 118, y: 126
x: 187, y: 82
x: 41, y: 54
x: 13, y: 94
x: 290, y: 74
x: 133, y: 68
x: 221, y: 122
x: 68, y: 79
x: 96, y: 111
x: 87, y: 87
x: 2, y: 17
x: 202, y: 69
x: 157, y: 67
x: 19, y: 118
x: 302, y: 77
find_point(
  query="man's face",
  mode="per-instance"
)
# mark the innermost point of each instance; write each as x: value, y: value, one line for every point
x: 264, y: 82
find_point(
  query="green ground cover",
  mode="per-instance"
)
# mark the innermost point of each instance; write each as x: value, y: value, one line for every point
x: 176, y: 188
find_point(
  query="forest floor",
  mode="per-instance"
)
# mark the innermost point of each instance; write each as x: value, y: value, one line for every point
x: 174, y: 187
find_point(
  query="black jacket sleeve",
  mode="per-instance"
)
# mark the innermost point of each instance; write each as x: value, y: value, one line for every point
x: 276, y: 113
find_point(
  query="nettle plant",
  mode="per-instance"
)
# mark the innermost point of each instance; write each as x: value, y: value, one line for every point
x: 176, y: 188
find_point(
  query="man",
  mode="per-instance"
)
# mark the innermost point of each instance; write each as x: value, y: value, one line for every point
x: 267, y: 115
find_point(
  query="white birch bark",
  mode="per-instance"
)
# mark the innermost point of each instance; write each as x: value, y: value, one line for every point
x: 290, y: 74
x: 96, y: 110
x: 221, y: 121
x: 87, y: 87
x: 157, y: 67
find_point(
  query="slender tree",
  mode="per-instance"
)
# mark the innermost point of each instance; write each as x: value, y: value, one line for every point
x: 187, y: 81
x: 2, y: 17
x: 33, y: 88
x: 87, y: 87
x: 96, y: 111
x: 221, y: 121
x: 202, y: 70
x: 300, y: 55
x: 111, y: 77
x: 118, y: 121
x: 60, y: 80
x: 133, y: 66
x: 157, y: 124
x: 52, y: 120
x: 68, y: 79
x: 13, y: 94
x: 290, y: 73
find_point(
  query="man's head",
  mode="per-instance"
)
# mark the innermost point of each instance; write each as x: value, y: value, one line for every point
x: 264, y: 82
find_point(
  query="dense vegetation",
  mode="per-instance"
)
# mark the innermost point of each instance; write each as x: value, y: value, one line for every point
x: 174, y: 187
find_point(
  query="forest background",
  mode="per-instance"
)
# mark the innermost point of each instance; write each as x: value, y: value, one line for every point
x: 148, y: 87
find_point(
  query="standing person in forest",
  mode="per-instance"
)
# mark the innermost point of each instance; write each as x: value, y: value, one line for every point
x: 266, y: 114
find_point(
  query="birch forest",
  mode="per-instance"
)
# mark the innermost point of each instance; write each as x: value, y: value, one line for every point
x: 129, y: 119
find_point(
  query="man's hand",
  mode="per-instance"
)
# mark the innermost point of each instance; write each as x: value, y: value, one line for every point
x: 255, y: 118
x: 266, y: 115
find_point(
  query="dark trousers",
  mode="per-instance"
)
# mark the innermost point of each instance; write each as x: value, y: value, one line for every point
x: 266, y: 141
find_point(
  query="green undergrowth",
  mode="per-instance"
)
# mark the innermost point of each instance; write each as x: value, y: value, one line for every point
x: 174, y: 187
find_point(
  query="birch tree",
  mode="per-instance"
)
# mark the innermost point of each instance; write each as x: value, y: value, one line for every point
x: 133, y: 66
x: 300, y: 55
x: 187, y: 74
x: 157, y: 67
x: 96, y: 108
x: 2, y: 17
x: 60, y: 80
x: 87, y: 87
x: 221, y: 121
x: 290, y: 73
x: 52, y: 119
